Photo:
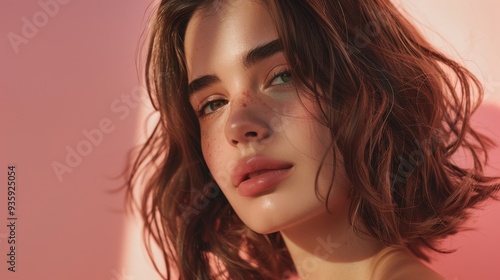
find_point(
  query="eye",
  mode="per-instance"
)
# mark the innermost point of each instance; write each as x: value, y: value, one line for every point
x: 211, y: 106
x: 281, y: 78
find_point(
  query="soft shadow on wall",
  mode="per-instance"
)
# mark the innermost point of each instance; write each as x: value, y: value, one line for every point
x: 69, y: 104
x: 478, y: 249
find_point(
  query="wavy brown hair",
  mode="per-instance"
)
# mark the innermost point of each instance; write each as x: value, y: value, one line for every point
x: 398, y: 111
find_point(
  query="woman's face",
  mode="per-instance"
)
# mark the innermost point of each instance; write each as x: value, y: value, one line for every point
x: 258, y: 134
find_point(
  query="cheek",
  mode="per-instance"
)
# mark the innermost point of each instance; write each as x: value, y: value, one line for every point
x: 210, y: 148
x: 212, y: 145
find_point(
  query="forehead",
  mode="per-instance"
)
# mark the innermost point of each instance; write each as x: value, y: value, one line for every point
x: 222, y: 35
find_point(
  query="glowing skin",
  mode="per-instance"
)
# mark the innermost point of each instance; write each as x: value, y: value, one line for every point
x: 249, y: 108
x: 255, y: 114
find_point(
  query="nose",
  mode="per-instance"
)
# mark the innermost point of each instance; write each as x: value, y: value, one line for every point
x: 247, y: 124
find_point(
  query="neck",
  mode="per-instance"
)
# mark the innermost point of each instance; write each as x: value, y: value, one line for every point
x: 326, y: 247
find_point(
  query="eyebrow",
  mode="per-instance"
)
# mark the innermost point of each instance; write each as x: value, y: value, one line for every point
x: 201, y: 83
x: 253, y: 57
x: 262, y: 52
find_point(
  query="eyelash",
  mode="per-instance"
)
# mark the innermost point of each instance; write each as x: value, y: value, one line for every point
x: 278, y: 74
x: 201, y: 113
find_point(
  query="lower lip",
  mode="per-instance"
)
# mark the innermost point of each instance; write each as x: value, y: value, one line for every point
x: 262, y: 182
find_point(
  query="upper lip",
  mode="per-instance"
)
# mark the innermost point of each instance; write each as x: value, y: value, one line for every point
x: 247, y: 166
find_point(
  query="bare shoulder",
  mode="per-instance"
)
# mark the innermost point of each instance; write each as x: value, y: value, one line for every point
x: 398, y: 264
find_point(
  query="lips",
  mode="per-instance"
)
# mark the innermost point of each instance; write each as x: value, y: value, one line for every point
x: 255, y: 175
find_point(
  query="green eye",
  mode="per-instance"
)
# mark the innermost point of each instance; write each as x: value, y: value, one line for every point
x: 212, y: 106
x: 282, y: 78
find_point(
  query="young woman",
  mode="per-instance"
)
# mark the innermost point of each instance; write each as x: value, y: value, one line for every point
x: 304, y: 138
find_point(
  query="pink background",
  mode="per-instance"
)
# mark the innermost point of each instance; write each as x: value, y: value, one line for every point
x: 74, y: 74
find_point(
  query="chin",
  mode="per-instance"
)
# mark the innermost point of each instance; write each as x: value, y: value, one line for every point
x: 264, y: 228
x: 266, y: 224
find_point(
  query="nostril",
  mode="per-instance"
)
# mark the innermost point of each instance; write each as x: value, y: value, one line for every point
x: 246, y: 133
x: 251, y: 134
